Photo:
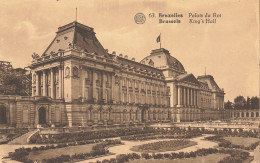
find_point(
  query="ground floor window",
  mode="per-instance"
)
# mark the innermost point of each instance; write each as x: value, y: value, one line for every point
x: 3, y: 119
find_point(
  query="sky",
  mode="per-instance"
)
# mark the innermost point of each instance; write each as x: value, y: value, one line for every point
x: 228, y: 49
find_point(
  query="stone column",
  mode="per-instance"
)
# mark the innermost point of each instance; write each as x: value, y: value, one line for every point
x: 104, y: 86
x: 145, y: 84
x: 181, y: 88
x: 120, y: 90
x: 37, y: 84
x: 178, y: 116
x: 179, y: 95
x: 188, y: 97
x: 127, y: 91
x: 94, y: 87
x: 52, y: 83
x: 156, y: 99
x: 195, y: 98
x: 43, y: 83
x: 83, y: 83
x: 192, y: 97
x: 60, y: 82
x: 185, y: 97
x: 151, y: 97
x: 112, y: 86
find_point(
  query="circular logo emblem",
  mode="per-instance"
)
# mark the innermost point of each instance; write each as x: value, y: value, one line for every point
x: 140, y: 18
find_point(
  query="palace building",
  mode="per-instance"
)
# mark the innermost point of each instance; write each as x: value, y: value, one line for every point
x: 76, y: 82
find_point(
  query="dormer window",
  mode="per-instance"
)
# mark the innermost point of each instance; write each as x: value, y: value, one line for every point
x: 57, y: 40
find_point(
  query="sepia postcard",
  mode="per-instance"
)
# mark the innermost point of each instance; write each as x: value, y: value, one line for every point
x: 138, y: 81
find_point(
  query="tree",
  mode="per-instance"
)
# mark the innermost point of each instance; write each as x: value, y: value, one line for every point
x: 240, y: 102
x: 255, y: 102
x: 248, y: 103
x: 228, y: 105
x: 11, y: 84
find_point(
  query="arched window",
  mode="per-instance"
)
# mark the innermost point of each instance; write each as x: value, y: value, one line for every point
x: 169, y: 115
x: 129, y: 83
x: 131, y: 115
x: 124, y: 115
x: 159, y: 115
x: 136, y: 98
x: 95, y: 115
x: 252, y: 114
x: 154, y: 115
x: 136, y: 115
x: 247, y: 114
x: 3, y: 119
x: 149, y: 115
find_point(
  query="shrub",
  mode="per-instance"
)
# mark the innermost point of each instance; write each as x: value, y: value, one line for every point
x: 105, y: 161
x: 166, y: 155
x: 112, y: 160
x: 145, y: 155
x: 122, y: 158
x: 158, y: 156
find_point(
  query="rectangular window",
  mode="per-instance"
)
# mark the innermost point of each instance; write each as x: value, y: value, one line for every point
x: 125, y: 97
x: 57, y: 115
x: 87, y: 93
x: 106, y: 95
x: 97, y: 94
x: 57, y: 92
x: 129, y: 98
x: 25, y: 115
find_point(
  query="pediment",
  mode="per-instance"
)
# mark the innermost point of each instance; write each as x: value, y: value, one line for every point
x: 189, y: 79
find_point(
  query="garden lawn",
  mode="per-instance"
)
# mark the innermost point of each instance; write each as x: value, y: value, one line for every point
x: 241, y: 140
x: 211, y: 158
x: 163, y: 146
x: 51, y: 153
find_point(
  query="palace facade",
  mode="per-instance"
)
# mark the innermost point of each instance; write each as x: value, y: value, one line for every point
x: 76, y: 82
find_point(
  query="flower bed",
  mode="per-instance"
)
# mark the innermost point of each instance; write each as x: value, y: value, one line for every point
x: 227, y: 144
x: 124, y: 133
x: 235, y: 155
x: 234, y: 133
x: 165, y: 134
x: 75, y: 137
x: 97, y: 150
x: 163, y: 146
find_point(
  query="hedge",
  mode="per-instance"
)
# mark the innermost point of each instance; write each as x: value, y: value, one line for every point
x: 236, y: 155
